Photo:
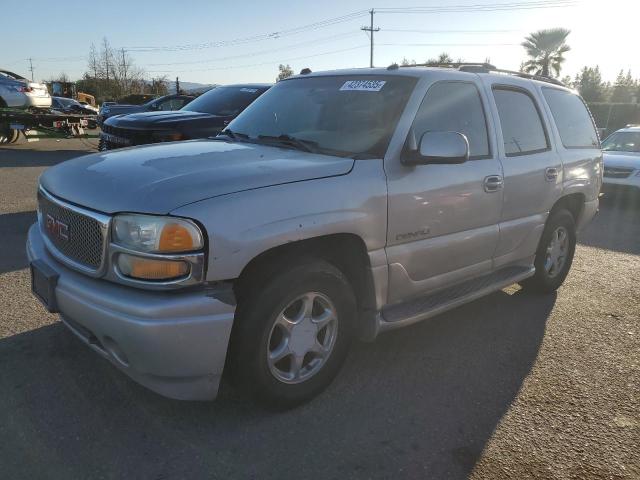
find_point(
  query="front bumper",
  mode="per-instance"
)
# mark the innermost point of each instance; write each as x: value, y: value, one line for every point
x: 174, y: 343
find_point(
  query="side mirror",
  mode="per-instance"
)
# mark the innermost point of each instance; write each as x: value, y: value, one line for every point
x: 441, y: 148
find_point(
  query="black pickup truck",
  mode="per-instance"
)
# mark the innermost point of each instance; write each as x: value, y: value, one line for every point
x: 203, y: 117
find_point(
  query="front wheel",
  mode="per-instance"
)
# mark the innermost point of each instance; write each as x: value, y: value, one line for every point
x: 555, y: 253
x: 292, y: 333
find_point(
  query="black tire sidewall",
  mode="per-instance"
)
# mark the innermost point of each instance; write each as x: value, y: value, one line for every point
x: 256, y: 317
x: 541, y: 280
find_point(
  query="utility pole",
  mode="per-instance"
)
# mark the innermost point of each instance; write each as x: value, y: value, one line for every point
x: 370, y: 29
x: 31, y: 68
x: 177, y: 86
x: 124, y: 71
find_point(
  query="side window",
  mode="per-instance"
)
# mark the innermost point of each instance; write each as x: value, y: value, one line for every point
x: 522, y: 128
x: 167, y: 105
x: 572, y: 119
x: 454, y: 107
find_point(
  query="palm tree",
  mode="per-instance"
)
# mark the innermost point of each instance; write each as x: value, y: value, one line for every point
x: 546, y: 49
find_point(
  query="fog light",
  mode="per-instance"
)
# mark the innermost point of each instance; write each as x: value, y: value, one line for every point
x: 151, y: 269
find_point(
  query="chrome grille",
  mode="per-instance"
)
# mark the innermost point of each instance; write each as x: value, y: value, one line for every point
x: 84, y: 243
x: 617, y: 172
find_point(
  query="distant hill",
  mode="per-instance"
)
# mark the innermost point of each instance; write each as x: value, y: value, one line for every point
x: 189, y: 87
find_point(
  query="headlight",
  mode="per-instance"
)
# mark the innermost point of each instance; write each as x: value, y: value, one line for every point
x: 168, y: 136
x: 150, y: 234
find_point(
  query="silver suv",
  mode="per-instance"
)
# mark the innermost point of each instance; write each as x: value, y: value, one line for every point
x: 340, y: 204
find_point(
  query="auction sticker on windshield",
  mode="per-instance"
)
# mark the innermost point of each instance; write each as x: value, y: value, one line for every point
x: 363, y: 85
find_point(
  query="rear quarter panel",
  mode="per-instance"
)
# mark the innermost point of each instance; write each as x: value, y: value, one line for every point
x: 582, y: 168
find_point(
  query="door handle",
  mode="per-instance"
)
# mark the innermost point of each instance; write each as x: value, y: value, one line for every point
x: 493, y: 183
x: 550, y: 174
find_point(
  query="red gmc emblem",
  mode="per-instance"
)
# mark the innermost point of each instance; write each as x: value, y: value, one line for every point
x: 56, y: 228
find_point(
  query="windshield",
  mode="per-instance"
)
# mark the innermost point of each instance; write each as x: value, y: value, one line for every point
x: 224, y: 101
x: 622, y: 142
x: 348, y: 116
x: 66, y: 101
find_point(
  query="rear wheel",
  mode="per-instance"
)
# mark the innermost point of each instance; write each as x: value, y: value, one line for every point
x: 555, y: 253
x: 292, y: 333
x: 5, y: 133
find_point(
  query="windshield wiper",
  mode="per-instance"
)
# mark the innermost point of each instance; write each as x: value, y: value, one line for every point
x: 305, y: 145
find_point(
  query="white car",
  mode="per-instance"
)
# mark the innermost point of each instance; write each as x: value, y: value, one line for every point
x: 90, y: 107
x: 622, y: 160
x: 19, y: 92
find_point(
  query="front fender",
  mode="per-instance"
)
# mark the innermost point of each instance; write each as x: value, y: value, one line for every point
x: 243, y: 225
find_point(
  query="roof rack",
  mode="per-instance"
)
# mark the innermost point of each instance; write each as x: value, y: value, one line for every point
x: 477, y: 67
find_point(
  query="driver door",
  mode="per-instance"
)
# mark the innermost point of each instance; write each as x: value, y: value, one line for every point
x: 443, y: 218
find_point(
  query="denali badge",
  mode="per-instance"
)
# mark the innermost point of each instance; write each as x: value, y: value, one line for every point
x: 57, y: 229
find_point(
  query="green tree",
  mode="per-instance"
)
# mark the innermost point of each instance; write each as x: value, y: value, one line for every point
x: 623, y: 88
x: 444, y: 57
x: 284, y: 71
x: 546, y: 49
x: 590, y: 85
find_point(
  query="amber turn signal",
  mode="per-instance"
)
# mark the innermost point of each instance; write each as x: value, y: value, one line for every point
x: 151, y: 269
x: 175, y: 238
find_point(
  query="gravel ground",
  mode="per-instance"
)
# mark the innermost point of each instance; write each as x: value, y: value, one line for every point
x: 511, y: 386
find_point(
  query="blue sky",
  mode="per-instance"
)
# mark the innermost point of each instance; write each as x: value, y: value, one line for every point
x: 59, y: 35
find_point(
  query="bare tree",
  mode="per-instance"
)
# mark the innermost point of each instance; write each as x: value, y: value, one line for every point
x: 113, y: 72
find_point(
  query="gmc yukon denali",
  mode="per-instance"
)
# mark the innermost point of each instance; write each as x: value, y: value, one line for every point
x: 339, y: 205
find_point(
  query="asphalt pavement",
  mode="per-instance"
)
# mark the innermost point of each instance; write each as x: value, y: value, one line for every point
x: 513, y: 385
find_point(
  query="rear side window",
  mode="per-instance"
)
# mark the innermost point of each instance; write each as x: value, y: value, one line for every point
x: 572, y: 119
x: 454, y: 107
x: 522, y: 128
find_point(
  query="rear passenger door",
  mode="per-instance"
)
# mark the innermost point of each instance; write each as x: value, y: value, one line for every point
x: 532, y: 168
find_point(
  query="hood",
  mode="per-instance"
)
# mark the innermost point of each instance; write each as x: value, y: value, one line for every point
x: 167, y: 120
x: 122, y: 109
x: 162, y: 177
x: 621, y: 159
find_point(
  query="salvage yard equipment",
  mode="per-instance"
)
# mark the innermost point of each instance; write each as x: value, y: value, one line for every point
x: 41, y: 123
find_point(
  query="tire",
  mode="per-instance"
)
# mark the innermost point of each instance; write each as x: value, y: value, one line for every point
x: 15, y: 135
x: 262, y: 330
x: 102, y: 145
x: 5, y: 133
x: 555, y: 253
x: 3, y: 104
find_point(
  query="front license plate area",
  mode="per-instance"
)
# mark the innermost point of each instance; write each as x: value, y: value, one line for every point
x: 43, y: 284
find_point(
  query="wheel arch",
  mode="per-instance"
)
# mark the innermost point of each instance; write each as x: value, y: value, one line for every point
x: 346, y: 251
x: 573, y: 202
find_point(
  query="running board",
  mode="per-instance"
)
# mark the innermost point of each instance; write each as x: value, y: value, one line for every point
x: 421, y: 308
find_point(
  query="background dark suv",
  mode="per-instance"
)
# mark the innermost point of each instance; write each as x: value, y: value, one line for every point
x: 203, y: 117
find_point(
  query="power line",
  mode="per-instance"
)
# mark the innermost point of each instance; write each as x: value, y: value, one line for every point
x: 254, y: 38
x: 486, y: 7
x: 444, y: 32
x: 316, y: 41
x: 229, y: 67
x: 448, y: 44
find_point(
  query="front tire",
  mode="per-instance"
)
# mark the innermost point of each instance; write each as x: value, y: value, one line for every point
x: 292, y: 333
x: 555, y: 253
